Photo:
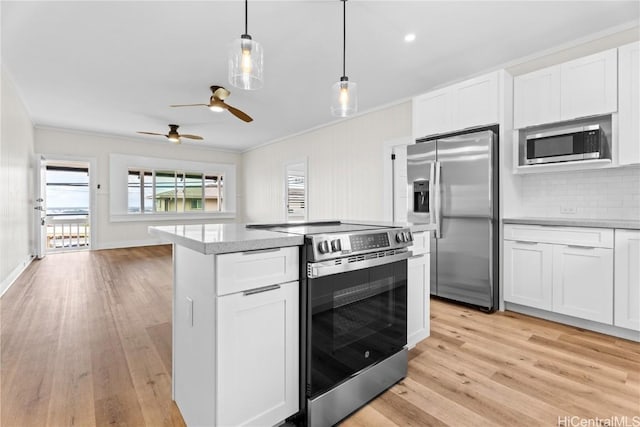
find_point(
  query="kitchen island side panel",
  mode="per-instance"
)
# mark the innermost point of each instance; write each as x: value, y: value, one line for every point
x: 194, y: 315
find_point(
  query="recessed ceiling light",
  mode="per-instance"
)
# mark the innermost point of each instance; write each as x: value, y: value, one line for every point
x: 409, y: 37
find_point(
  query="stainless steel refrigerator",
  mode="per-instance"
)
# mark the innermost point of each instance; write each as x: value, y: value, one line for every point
x: 453, y: 184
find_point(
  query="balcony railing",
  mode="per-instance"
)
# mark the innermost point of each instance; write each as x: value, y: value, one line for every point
x: 68, y: 232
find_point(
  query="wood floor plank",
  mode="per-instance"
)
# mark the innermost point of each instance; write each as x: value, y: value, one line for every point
x: 85, y: 339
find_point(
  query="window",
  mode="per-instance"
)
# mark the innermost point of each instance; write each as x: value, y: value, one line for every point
x: 143, y: 188
x: 67, y: 190
x: 168, y: 191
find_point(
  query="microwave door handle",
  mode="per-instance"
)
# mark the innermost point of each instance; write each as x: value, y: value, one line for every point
x: 438, y: 200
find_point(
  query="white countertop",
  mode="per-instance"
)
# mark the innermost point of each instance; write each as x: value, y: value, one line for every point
x: 224, y: 238
x: 576, y: 222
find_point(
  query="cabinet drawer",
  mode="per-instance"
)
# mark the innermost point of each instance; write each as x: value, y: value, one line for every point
x: 421, y: 242
x: 577, y: 236
x: 240, y: 271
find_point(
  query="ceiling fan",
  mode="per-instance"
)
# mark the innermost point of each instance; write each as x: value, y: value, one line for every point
x: 173, y: 134
x: 217, y: 104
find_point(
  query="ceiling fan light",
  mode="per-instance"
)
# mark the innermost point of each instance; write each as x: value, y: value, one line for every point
x: 174, y: 138
x: 246, y: 63
x: 216, y: 108
x: 344, y: 98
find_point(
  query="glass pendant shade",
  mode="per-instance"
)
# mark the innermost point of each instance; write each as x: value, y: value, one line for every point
x: 344, y: 98
x: 246, y: 63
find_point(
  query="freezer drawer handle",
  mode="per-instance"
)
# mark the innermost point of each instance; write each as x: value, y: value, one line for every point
x: 260, y: 290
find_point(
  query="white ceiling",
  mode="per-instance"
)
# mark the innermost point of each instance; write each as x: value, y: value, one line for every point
x: 114, y: 67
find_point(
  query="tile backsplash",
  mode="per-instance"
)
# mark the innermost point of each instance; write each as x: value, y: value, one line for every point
x: 597, y: 194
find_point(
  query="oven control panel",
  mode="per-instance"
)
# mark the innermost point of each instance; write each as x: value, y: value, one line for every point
x: 334, y: 245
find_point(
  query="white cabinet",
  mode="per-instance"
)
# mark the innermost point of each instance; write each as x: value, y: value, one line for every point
x: 589, y: 85
x: 418, y: 267
x: 583, y: 282
x: 235, y: 336
x: 257, y: 361
x: 583, y: 87
x: 627, y: 279
x: 467, y: 104
x: 629, y: 100
x: 528, y: 273
x: 566, y: 270
x: 537, y: 98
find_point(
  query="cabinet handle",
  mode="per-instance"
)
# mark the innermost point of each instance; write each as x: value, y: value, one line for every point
x: 260, y: 290
x: 581, y: 247
x: 524, y: 242
x: 261, y: 251
x: 416, y: 256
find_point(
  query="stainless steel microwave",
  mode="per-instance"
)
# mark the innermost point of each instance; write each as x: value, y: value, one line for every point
x: 563, y: 145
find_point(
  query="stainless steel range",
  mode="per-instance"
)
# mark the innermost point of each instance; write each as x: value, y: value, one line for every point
x: 353, y: 315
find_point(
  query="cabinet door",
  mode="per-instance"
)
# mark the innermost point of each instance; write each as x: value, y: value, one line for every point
x: 589, y: 85
x: 629, y: 109
x: 627, y: 279
x: 475, y: 102
x: 257, y: 349
x: 432, y: 113
x: 537, y: 98
x: 528, y: 273
x: 583, y: 282
x: 418, y: 293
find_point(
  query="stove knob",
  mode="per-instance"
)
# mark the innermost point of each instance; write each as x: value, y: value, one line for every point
x: 406, y: 236
x: 336, y: 245
x: 399, y: 237
x: 410, y: 236
x: 323, y: 247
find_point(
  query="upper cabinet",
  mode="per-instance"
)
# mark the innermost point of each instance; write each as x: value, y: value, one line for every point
x: 580, y: 88
x: 537, y: 97
x: 628, y: 98
x: 467, y: 104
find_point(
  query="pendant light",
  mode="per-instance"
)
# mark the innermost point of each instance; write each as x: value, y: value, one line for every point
x: 245, y: 60
x: 344, y: 93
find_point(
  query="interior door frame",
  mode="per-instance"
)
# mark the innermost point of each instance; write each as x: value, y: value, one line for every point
x: 388, y: 194
x: 93, y: 185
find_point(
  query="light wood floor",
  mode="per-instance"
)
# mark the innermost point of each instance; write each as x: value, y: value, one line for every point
x: 86, y: 340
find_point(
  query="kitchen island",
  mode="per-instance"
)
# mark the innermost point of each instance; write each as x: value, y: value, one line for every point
x: 236, y: 321
x: 235, y: 324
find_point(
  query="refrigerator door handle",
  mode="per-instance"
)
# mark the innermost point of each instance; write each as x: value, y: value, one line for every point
x: 438, y: 197
x: 432, y: 190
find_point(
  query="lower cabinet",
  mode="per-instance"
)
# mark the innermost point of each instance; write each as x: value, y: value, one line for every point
x: 257, y: 363
x: 627, y: 279
x: 560, y: 269
x: 583, y: 282
x: 528, y: 273
x: 418, y: 294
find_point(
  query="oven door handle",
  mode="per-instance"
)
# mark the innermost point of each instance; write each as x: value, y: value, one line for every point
x: 326, y: 268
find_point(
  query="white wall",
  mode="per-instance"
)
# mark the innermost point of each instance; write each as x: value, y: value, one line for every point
x: 121, y: 234
x: 16, y: 184
x: 599, y: 194
x: 344, y: 168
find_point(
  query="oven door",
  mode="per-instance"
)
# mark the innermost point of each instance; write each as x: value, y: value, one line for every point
x: 355, y: 319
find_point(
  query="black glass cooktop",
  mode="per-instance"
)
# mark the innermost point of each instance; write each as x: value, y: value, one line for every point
x: 320, y: 227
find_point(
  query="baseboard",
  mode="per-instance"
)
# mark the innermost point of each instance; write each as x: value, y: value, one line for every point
x: 131, y: 244
x: 11, y: 278
x: 603, y: 328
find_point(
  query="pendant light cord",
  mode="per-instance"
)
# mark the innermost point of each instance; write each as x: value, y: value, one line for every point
x: 344, y: 36
x: 246, y: 16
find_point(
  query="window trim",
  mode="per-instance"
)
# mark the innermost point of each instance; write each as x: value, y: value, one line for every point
x: 119, y: 165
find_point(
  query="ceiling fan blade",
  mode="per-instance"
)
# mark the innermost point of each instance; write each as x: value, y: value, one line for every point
x: 239, y: 114
x: 189, y: 105
x: 152, y: 133
x: 190, y: 136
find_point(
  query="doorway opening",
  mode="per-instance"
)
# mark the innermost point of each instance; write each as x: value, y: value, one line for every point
x: 65, y: 205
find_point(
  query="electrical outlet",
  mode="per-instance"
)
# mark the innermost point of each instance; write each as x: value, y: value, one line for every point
x: 568, y: 210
